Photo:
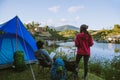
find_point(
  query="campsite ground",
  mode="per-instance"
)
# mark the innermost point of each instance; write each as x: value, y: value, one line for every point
x: 10, y: 74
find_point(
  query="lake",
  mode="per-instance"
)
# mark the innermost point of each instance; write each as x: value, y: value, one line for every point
x: 99, y: 51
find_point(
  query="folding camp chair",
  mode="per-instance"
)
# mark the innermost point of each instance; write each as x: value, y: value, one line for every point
x: 70, y: 66
x: 42, y: 66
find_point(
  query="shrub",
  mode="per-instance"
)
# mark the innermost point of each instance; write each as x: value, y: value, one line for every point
x: 112, y: 70
x: 96, y: 68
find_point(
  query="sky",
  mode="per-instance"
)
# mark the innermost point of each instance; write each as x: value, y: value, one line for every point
x: 97, y: 14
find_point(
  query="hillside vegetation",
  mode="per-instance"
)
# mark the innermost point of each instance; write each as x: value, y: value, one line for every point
x: 105, y: 34
x: 68, y: 31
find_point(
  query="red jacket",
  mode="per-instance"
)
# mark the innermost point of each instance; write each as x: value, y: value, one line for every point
x: 83, y: 42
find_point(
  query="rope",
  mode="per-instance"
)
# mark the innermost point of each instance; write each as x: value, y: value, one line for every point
x: 33, y: 75
x: 17, y: 35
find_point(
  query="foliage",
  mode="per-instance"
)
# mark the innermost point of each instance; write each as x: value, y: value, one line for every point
x: 31, y: 26
x: 108, y: 32
x: 116, y: 28
x: 116, y: 50
x: 96, y: 68
x: 61, y: 55
x: 68, y: 33
x: 103, y: 35
x: 109, y: 70
x: 115, y: 68
x: 55, y: 34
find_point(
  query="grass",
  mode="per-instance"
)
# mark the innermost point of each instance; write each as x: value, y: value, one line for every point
x: 91, y: 76
x: 11, y: 74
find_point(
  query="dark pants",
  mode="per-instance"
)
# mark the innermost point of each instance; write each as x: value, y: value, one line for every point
x: 86, y: 59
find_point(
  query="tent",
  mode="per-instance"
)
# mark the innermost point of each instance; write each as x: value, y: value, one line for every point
x: 15, y: 37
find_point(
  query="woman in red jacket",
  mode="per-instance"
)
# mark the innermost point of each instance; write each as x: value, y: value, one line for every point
x: 83, y: 42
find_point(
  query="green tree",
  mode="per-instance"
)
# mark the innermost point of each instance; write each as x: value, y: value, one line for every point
x: 117, y: 27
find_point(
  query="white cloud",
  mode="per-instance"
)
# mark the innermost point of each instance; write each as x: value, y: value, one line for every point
x: 77, y: 18
x: 54, y: 9
x: 74, y: 9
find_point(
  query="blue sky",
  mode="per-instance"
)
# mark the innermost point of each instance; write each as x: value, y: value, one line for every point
x: 97, y: 14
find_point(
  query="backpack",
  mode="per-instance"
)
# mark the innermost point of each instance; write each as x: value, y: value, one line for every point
x: 58, y: 70
x: 19, y: 61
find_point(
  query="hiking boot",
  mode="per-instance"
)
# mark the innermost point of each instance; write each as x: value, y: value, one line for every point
x: 75, y: 75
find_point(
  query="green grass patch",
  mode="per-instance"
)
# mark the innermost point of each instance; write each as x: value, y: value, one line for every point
x: 11, y: 74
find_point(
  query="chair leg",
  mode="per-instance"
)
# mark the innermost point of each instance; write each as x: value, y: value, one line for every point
x: 39, y: 68
x: 42, y: 69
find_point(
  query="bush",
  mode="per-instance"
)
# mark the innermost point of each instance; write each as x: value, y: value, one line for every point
x: 96, y: 68
x: 115, y: 68
x: 111, y: 70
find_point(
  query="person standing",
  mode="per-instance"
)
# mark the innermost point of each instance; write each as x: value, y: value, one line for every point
x: 83, y: 42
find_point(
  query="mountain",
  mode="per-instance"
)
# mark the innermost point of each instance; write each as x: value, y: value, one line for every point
x: 66, y: 27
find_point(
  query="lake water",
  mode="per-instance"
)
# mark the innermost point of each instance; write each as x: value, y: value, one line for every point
x: 99, y: 51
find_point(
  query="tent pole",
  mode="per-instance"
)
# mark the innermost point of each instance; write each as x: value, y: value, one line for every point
x: 32, y: 72
x: 33, y: 75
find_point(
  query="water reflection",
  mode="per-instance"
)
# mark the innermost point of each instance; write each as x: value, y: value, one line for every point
x: 104, y: 50
x: 100, y: 51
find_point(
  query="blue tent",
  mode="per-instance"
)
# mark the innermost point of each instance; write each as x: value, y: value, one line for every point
x: 15, y: 37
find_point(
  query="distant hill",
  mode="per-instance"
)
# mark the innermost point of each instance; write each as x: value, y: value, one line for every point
x: 66, y: 27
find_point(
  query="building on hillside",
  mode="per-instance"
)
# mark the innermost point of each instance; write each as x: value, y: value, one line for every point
x: 113, y: 39
x: 40, y: 33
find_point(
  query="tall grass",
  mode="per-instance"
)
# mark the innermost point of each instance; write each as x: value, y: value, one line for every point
x: 109, y: 70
